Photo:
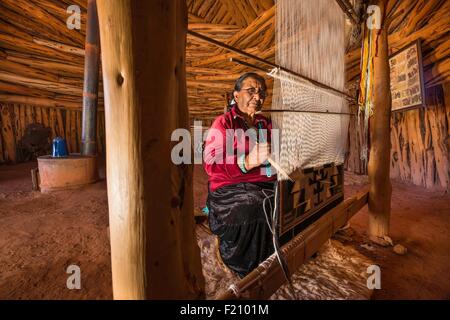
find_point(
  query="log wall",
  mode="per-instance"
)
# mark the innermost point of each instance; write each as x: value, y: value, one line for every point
x: 420, y: 142
x: 419, y: 137
x: 66, y: 123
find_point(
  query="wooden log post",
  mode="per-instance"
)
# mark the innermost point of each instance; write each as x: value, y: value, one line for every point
x: 380, y: 145
x: 153, y: 245
x: 90, y: 89
x: 9, y: 141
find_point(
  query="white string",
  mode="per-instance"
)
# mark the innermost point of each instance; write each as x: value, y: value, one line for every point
x: 309, y: 41
x: 235, y: 290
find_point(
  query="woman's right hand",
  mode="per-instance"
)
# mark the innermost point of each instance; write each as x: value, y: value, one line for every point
x: 259, y: 154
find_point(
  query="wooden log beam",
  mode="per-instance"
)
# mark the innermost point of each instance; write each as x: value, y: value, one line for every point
x: 24, y: 70
x: 154, y: 252
x: 59, y: 46
x: 51, y: 26
x: 50, y: 66
x: 7, y: 132
x: 20, y: 45
x: 432, y: 35
x: 90, y: 88
x: 380, y: 148
x: 13, y: 88
x: 265, y: 280
x: 36, y: 101
x: 58, y: 87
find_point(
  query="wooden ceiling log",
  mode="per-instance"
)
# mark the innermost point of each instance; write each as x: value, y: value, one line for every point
x: 267, y: 4
x: 53, y: 25
x: 236, y: 14
x: 420, y: 15
x: 20, y: 45
x: 405, y: 8
x: 195, y: 19
x: 257, y: 7
x: 31, y: 26
x: 196, y: 4
x: 392, y: 6
x: 24, y: 70
x: 206, y: 7
x: 433, y: 36
x: 60, y: 46
x: 59, y: 10
x: 52, y: 67
x: 43, y: 102
x: 199, y: 70
x: 222, y: 58
x: 222, y: 15
x: 268, y: 39
x: 81, y: 3
x: 266, y: 18
x: 246, y: 10
x: 13, y: 30
x: 438, y: 72
x: 438, y: 50
x: 15, y: 89
x: 41, y: 84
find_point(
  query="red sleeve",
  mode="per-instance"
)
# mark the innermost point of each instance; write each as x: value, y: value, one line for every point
x: 217, y: 161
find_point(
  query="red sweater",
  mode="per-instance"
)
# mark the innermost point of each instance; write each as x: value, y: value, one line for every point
x: 221, y: 164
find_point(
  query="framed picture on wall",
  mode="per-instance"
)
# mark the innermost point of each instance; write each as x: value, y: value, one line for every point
x: 407, y: 85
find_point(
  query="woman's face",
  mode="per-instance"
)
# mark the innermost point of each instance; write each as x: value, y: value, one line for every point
x: 251, y: 97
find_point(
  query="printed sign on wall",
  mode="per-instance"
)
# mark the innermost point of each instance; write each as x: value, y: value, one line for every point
x: 407, y: 86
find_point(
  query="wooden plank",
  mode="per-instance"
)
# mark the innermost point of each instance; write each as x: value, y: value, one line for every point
x: 52, y: 122
x: 262, y: 282
x: 79, y: 127
x: 73, y: 131
x: 380, y: 139
x: 68, y: 132
x: 38, y: 114
x: 8, y: 135
x: 17, y: 123
x: 60, y: 122
x: 153, y: 255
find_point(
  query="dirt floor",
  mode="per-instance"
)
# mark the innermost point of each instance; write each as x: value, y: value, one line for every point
x: 42, y: 234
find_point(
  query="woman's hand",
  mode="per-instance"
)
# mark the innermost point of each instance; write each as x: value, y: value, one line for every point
x: 259, y: 154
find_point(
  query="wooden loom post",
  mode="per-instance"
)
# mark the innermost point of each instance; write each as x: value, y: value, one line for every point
x: 380, y: 140
x: 153, y: 246
x: 90, y: 88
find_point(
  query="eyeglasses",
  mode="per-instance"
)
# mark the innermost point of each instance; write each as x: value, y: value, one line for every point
x: 252, y: 92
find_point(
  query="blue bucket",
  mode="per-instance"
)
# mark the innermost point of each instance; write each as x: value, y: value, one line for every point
x: 59, y: 148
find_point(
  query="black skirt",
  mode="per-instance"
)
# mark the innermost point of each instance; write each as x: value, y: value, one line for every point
x: 237, y: 217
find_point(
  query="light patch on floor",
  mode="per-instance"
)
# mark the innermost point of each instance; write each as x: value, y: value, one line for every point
x: 337, y: 272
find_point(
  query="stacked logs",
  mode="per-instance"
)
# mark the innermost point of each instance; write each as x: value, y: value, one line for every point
x: 411, y: 20
x: 419, y: 152
x: 41, y: 65
x: 66, y: 123
x: 210, y: 74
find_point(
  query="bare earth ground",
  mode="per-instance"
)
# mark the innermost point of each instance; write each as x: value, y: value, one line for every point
x: 42, y: 234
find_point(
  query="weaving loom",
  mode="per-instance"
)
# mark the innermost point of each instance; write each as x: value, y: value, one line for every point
x: 313, y: 121
x: 310, y: 111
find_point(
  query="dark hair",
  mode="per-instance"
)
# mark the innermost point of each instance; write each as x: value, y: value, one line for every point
x: 238, y: 86
x: 257, y: 77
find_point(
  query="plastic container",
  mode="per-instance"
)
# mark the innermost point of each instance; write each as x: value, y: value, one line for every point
x: 59, y: 148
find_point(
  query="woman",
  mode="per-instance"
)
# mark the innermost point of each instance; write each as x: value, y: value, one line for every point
x: 241, y: 181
